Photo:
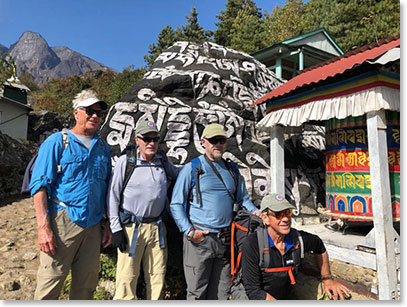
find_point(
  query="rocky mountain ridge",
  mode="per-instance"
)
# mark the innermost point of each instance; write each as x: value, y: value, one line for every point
x: 33, y: 54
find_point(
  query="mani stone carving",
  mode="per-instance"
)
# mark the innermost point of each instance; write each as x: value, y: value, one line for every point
x: 190, y: 86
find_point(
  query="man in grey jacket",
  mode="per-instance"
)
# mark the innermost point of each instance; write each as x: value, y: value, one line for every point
x: 135, y: 215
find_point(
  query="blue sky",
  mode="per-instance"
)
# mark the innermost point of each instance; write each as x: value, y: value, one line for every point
x: 116, y: 33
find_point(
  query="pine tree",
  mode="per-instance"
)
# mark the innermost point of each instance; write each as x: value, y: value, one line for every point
x: 354, y: 23
x: 284, y: 22
x: 223, y: 35
x: 247, y: 32
x: 193, y: 32
x: 166, y: 38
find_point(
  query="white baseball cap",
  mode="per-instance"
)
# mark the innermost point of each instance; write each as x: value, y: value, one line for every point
x: 87, y: 98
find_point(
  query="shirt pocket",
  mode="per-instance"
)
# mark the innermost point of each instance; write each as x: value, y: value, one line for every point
x: 100, y: 167
x: 73, y: 168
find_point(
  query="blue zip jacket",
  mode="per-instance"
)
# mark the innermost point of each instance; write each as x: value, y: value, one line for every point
x: 82, y: 185
x: 215, y: 210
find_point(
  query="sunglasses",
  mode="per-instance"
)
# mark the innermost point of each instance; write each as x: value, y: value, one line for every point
x: 90, y: 112
x: 280, y: 214
x: 216, y: 140
x: 148, y: 139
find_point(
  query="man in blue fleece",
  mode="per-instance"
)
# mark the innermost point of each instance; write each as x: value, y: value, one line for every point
x: 207, y: 219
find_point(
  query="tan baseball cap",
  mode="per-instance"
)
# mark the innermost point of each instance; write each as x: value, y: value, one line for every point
x: 275, y: 202
x: 213, y: 130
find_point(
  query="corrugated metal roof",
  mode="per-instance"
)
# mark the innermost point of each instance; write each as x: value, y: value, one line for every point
x: 334, y: 66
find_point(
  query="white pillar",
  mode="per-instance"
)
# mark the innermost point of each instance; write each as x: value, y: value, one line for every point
x: 277, y: 160
x: 381, y: 206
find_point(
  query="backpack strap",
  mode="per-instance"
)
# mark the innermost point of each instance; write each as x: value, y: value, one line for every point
x: 289, y: 269
x: 301, y: 245
x: 165, y: 163
x: 264, y: 249
x: 65, y: 143
x: 234, y: 172
x: 298, y: 252
x: 196, y: 171
x: 131, y: 164
x: 229, y: 168
x: 235, y: 267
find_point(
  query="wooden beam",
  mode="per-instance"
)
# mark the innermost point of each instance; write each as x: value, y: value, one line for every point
x: 381, y: 206
x: 277, y: 160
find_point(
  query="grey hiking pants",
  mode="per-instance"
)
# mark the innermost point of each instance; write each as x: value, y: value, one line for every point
x: 207, y: 268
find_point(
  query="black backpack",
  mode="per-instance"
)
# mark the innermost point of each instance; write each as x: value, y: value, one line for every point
x: 246, y: 223
x: 243, y: 225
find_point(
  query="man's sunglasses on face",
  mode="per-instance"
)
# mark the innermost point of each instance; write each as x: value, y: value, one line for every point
x: 216, y: 140
x: 280, y: 214
x: 90, y: 112
x: 148, y: 139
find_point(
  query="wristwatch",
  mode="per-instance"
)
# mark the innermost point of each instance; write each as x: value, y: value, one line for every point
x: 327, y: 277
x: 190, y: 234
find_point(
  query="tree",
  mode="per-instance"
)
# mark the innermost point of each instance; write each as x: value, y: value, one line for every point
x: 7, y: 67
x: 193, y: 32
x: 247, y: 32
x: 166, y: 38
x: 284, y: 22
x: 227, y: 17
x: 122, y: 83
x: 57, y: 94
x: 27, y: 79
x: 354, y: 23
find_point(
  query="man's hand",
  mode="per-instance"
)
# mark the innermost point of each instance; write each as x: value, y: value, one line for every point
x: 335, y: 290
x: 107, y: 235
x: 46, y: 240
x: 257, y: 212
x: 199, y: 236
x: 119, y: 240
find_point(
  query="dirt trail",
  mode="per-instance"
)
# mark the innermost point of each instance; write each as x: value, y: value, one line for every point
x: 18, y: 250
x: 19, y: 258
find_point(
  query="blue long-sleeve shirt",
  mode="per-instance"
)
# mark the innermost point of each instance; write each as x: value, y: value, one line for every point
x: 215, y: 209
x: 82, y: 184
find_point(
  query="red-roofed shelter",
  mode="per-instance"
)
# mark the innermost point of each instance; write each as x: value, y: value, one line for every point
x: 363, y: 83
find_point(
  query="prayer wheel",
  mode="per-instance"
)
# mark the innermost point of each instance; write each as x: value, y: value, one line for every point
x: 348, y: 188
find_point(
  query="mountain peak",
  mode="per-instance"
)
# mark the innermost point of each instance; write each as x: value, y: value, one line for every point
x: 33, y: 54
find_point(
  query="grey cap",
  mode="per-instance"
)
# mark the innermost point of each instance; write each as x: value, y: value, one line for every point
x: 275, y: 202
x: 145, y: 127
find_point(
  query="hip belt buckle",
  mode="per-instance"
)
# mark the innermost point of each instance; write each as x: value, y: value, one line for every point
x: 224, y: 233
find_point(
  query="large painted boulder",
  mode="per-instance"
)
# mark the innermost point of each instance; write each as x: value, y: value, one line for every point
x: 190, y: 86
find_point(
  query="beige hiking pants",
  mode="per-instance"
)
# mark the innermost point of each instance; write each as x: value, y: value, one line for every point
x: 77, y: 249
x: 154, y: 261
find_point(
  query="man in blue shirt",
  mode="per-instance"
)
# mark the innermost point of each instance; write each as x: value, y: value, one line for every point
x: 206, y: 227
x: 69, y: 185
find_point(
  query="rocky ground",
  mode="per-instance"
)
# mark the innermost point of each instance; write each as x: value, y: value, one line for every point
x: 19, y: 260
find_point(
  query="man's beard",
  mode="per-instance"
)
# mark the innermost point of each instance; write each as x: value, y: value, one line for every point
x: 216, y: 156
